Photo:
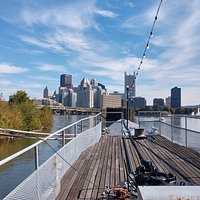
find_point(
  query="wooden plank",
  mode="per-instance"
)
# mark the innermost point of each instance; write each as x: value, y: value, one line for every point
x: 109, y: 163
x: 93, y: 187
x: 99, y: 170
x: 104, y: 168
x: 121, y: 160
x: 70, y: 176
x: 181, y: 166
x: 117, y: 161
x: 93, y: 158
x: 112, y: 175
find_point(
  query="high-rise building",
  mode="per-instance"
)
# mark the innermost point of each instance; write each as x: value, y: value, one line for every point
x: 85, y: 98
x: 66, y: 81
x: 158, y: 102
x: 168, y: 102
x: 72, y: 98
x: 129, y: 80
x: 175, y: 97
x: 137, y: 102
x: 46, y: 93
x: 97, y: 96
x: 85, y: 94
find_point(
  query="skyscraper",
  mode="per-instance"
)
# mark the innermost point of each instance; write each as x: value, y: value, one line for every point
x: 158, y: 102
x: 46, y: 93
x: 66, y: 81
x: 176, y: 97
x: 129, y: 80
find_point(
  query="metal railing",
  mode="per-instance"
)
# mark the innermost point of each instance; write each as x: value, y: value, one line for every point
x: 182, y: 129
x: 42, y: 180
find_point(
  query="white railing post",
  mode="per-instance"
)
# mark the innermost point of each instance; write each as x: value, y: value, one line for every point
x: 172, y: 136
x: 81, y: 126
x: 63, y: 138
x: 160, y: 122
x: 75, y: 130
x: 36, y: 157
x: 186, y: 132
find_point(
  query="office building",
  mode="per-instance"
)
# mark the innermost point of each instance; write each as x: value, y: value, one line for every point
x: 97, y: 96
x: 137, y: 102
x: 129, y: 80
x: 110, y: 101
x: 66, y: 81
x: 175, y: 97
x: 158, y: 102
x: 46, y: 93
x: 85, y: 98
x: 168, y: 102
x: 85, y: 94
x: 72, y: 98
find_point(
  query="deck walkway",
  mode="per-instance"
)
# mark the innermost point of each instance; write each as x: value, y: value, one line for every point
x: 103, y: 165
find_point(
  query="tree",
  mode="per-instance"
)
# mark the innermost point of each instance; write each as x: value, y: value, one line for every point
x: 20, y: 113
x: 46, y: 117
x: 19, y: 98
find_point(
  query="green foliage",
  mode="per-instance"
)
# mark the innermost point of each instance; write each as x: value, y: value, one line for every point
x: 185, y: 111
x: 19, y: 98
x: 20, y: 113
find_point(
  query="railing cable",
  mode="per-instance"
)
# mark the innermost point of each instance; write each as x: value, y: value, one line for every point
x: 148, y: 41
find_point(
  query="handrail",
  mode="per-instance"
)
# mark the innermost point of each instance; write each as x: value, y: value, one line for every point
x: 43, y: 140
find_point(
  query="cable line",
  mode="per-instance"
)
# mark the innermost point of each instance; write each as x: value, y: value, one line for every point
x: 148, y: 40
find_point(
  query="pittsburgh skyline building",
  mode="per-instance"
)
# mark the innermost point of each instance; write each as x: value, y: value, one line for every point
x: 129, y: 80
x: 66, y: 81
x: 46, y: 93
x: 175, y: 97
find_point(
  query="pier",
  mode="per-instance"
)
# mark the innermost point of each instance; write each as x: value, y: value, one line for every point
x: 103, y: 165
x: 104, y: 156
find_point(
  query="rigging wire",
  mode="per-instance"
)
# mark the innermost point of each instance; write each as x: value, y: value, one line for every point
x: 71, y: 165
x: 148, y: 40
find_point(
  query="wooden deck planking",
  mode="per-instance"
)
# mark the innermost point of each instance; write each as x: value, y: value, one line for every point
x: 182, y: 165
x: 178, y: 165
x: 103, y: 165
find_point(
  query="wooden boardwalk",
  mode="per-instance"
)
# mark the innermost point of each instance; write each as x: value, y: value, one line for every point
x: 103, y: 165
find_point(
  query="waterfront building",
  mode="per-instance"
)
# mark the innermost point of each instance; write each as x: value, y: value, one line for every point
x: 158, y: 102
x: 137, y: 102
x: 175, y: 97
x: 129, y: 80
x: 64, y: 97
x: 85, y: 94
x: 123, y: 97
x: 72, y: 98
x: 85, y: 98
x: 66, y: 81
x: 46, y: 93
x: 168, y: 102
x: 97, y: 96
x: 110, y: 101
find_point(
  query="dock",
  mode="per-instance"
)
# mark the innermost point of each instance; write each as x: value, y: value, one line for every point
x: 103, y: 165
x: 106, y: 159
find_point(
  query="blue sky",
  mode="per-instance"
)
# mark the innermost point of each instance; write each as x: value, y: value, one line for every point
x: 41, y: 39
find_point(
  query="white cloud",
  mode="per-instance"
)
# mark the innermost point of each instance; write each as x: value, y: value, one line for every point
x: 5, y: 82
x: 6, y: 68
x: 74, y: 15
x: 50, y: 67
x: 106, y: 13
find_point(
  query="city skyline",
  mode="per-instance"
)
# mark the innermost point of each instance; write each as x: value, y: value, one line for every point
x: 101, y: 40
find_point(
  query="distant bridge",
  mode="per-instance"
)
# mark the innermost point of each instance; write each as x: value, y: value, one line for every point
x: 191, y: 106
x: 58, y: 108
